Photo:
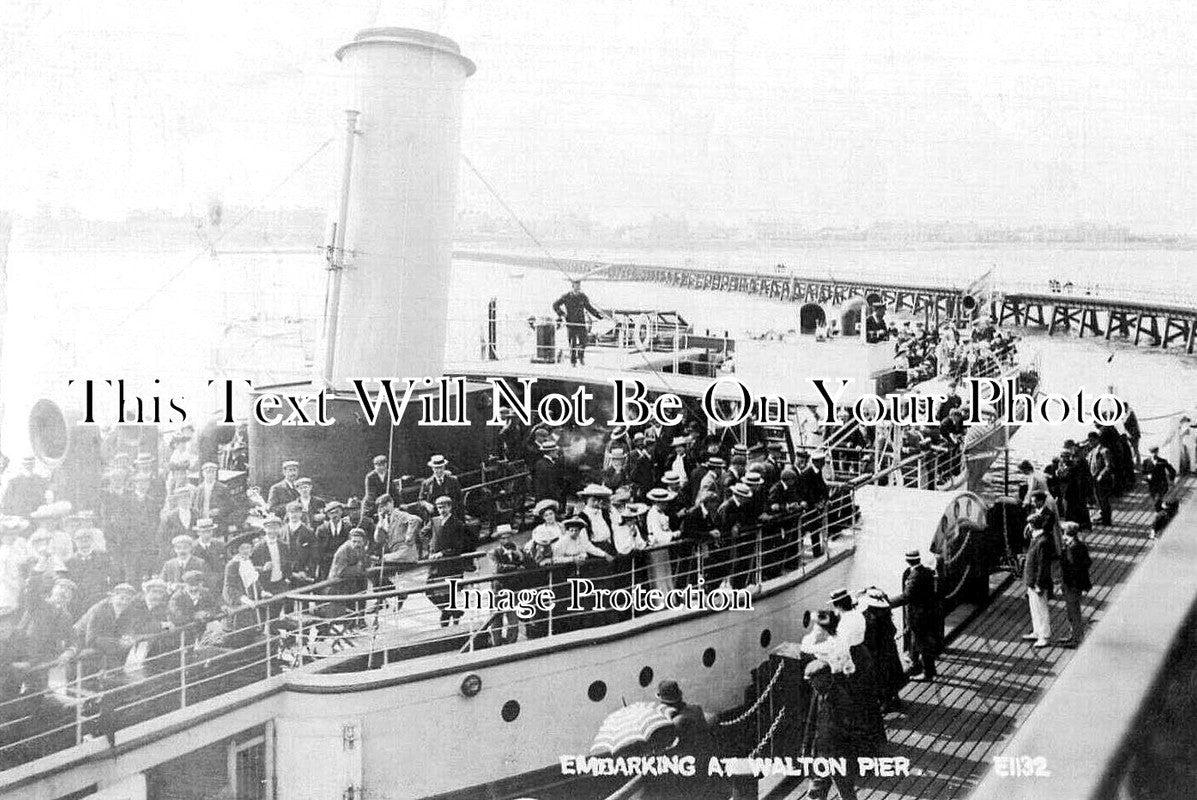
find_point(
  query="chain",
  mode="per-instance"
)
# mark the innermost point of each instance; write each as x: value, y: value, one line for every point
x: 769, y: 733
x: 769, y: 688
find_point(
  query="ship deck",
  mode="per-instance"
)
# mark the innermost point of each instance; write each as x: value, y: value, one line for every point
x: 990, y: 679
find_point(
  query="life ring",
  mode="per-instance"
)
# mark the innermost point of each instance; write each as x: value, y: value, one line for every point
x: 642, y: 333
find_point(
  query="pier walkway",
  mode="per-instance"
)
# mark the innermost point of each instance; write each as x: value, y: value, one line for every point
x: 991, y: 680
x: 1144, y: 322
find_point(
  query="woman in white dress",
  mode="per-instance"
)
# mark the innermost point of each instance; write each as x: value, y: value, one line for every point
x: 660, y: 533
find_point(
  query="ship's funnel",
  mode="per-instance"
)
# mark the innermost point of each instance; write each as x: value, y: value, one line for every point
x: 390, y: 256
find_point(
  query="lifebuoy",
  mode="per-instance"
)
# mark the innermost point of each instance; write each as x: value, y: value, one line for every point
x: 642, y: 334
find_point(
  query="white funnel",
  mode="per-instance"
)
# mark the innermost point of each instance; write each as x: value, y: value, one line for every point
x: 391, y: 257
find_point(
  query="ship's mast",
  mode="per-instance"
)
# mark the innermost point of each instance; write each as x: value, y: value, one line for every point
x: 336, y: 253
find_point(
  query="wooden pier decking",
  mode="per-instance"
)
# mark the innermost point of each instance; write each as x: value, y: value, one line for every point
x: 990, y: 679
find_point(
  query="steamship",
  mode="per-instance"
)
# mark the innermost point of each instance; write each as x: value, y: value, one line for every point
x: 366, y: 695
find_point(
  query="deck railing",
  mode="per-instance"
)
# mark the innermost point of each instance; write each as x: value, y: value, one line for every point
x: 398, y: 615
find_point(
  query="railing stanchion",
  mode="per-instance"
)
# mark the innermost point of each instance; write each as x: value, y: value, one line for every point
x: 182, y: 668
x: 79, y: 701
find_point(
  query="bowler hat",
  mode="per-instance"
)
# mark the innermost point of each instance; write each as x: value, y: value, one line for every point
x: 669, y: 692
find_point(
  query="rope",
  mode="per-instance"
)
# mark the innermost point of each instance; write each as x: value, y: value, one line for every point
x: 769, y: 734
x: 768, y: 688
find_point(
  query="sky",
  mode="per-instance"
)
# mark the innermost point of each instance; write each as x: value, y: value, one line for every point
x: 834, y: 112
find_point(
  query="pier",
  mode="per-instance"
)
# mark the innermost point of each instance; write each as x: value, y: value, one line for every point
x: 1143, y: 323
x: 991, y: 680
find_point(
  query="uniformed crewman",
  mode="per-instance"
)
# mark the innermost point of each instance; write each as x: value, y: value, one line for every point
x: 573, y: 306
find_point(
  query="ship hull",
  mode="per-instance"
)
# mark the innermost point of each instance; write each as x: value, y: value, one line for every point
x: 421, y: 736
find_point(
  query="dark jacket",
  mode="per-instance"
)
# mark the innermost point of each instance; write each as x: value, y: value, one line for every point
x: 93, y: 575
x: 220, y: 504
x: 183, y: 610
x: 261, y: 559
x: 574, y: 306
x: 330, y: 539
x: 234, y: 589
x: 448, y: 539
x: 1160, y: 475
x: 923, y: 614
x: 548, y: 480
x: 375, y: 487
x: 1037, y: 569
x: 1074, y: 566
x: 449, y: 486
x: 279, y: 495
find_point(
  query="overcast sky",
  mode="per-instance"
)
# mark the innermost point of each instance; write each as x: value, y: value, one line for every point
x: 835, y: 112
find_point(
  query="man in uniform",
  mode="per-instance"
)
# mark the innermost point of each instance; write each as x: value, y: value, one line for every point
x: 573, y: 306
x: 285, y: 490
x: 923, y: 634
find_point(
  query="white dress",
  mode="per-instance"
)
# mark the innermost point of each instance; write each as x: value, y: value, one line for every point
x: 659, y: 533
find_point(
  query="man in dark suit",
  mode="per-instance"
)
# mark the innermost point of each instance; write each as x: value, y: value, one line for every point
x: 1160, y: 475
x: 834, y: 729
x: 273, y: 558
x: 25, y: 491
x: 923, y: 617
x: 210, y: 551
x: 1037, y: 575
x: 311, y: 508
x: 331, y: 534
x: 183, y: 562
x: 1074, y: 581
x: 573, y: 306
x: 642, y: 473
x: 302, y: 541
x: 700, y: 534
x: 737, y: 522
x: 876, y: 328
x: 284, y: 491
x: 440, y: 483
x: 92, y: 572
x: 241, y: 578
x: 548, y: 476
x: 448, y: 542
x: 616, y: 474
x: 192, y: 603
x: 376, y: 485
x: 211, y: 498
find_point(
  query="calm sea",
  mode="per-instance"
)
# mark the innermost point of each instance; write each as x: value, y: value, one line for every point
x: 184, y: 317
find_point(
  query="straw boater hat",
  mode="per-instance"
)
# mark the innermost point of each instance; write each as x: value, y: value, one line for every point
x: 154, y: 583
x: 379, y: 460
x: 660, y: 495
x: 913, y: 557
x: 290, y: 464
x: 875, y: 598
x: 123, y: 588
x: 618, y: 452
x: 209, y: 465
x: 635, y: 509
x: 574, y: 522
x: 739, y: 450
x: 181, y: 539
x: 335, y: 505
x: 595, y: 490
x: 272, y: 522
x: 438, y: 461
x: 680, y: 441
x: 622, y: 495
x: 740, y: 490
x: 671, y: 479
x: 715, y: 462
x: 357, y: 533
x: 753, y: 479
x: 503, y: 530
x: 549, y: 446
x: 303, y: 481
x: 13, y: 524
x: 206, y: 525
x: 543, y: 505
x: 841, y: 596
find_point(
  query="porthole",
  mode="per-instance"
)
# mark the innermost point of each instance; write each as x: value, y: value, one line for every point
x: 708, y: 657
x: 511, y: 710
x: 766, y: 637
x: 646, y: 677
x: 597, y: 691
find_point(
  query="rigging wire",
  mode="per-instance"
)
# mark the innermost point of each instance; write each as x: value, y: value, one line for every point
x: 211, y: 243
